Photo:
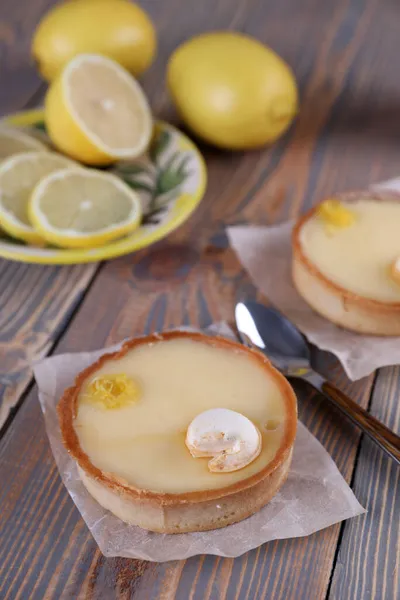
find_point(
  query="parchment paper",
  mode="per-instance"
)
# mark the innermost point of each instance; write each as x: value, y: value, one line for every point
x: 314, y: 497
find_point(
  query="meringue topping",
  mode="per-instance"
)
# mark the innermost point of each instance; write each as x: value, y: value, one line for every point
x: 227, y: 436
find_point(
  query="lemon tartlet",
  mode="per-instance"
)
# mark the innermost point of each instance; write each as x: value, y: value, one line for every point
x: 346, y: 261
x: 180, y: 432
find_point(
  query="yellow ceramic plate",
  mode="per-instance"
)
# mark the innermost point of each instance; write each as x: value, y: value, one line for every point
x: 171, y: 182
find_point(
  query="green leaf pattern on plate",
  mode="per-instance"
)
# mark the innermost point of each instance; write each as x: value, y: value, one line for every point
x: 159, y: 145
x: 157, y: 177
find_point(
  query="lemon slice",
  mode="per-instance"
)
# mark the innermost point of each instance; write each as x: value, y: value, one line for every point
x: 13, y: 141
x: 18, y: 176
x: 96, y: 112
x: 80, y: 208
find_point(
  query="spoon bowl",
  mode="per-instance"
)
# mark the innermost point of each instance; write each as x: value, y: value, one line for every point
x: 268, y: 330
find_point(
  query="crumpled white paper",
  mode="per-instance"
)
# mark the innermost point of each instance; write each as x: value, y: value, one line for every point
x: 315, y: 495
x: 266, y: 254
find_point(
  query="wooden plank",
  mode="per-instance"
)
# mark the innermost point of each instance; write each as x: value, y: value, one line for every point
x: 35, y: 306
x: 35, y: 302
x: 19, y: 80
x: 368, y: 564
x: 195, y: 278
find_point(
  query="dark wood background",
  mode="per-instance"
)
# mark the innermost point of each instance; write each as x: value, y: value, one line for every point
x: 345, y: 57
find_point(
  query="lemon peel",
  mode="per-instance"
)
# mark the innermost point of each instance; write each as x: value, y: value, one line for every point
x: 335, y: 213
x: 112, y: 391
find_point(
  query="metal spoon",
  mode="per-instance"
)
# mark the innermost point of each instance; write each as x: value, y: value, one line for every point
x: 267, y: 330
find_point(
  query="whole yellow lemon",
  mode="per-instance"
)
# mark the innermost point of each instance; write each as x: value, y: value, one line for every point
x: 115, y: 28
x: 231, y: 90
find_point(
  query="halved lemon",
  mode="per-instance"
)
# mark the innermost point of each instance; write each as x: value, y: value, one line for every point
x: 81, y: 208
x: 96, y: 112
x: 14, y: 141
x: 18, y: 176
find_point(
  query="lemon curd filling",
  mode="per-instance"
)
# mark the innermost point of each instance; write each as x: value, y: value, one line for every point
x: 134, y: 412
x: 355, y: 245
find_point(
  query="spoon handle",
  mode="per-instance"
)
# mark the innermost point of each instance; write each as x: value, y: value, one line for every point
x: 377, y: 431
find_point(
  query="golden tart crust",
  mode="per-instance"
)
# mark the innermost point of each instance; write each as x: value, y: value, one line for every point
x: 194, y: 510
x: 337, y: 304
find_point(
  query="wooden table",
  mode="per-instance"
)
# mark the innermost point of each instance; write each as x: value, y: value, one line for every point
x: 345, y: 56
